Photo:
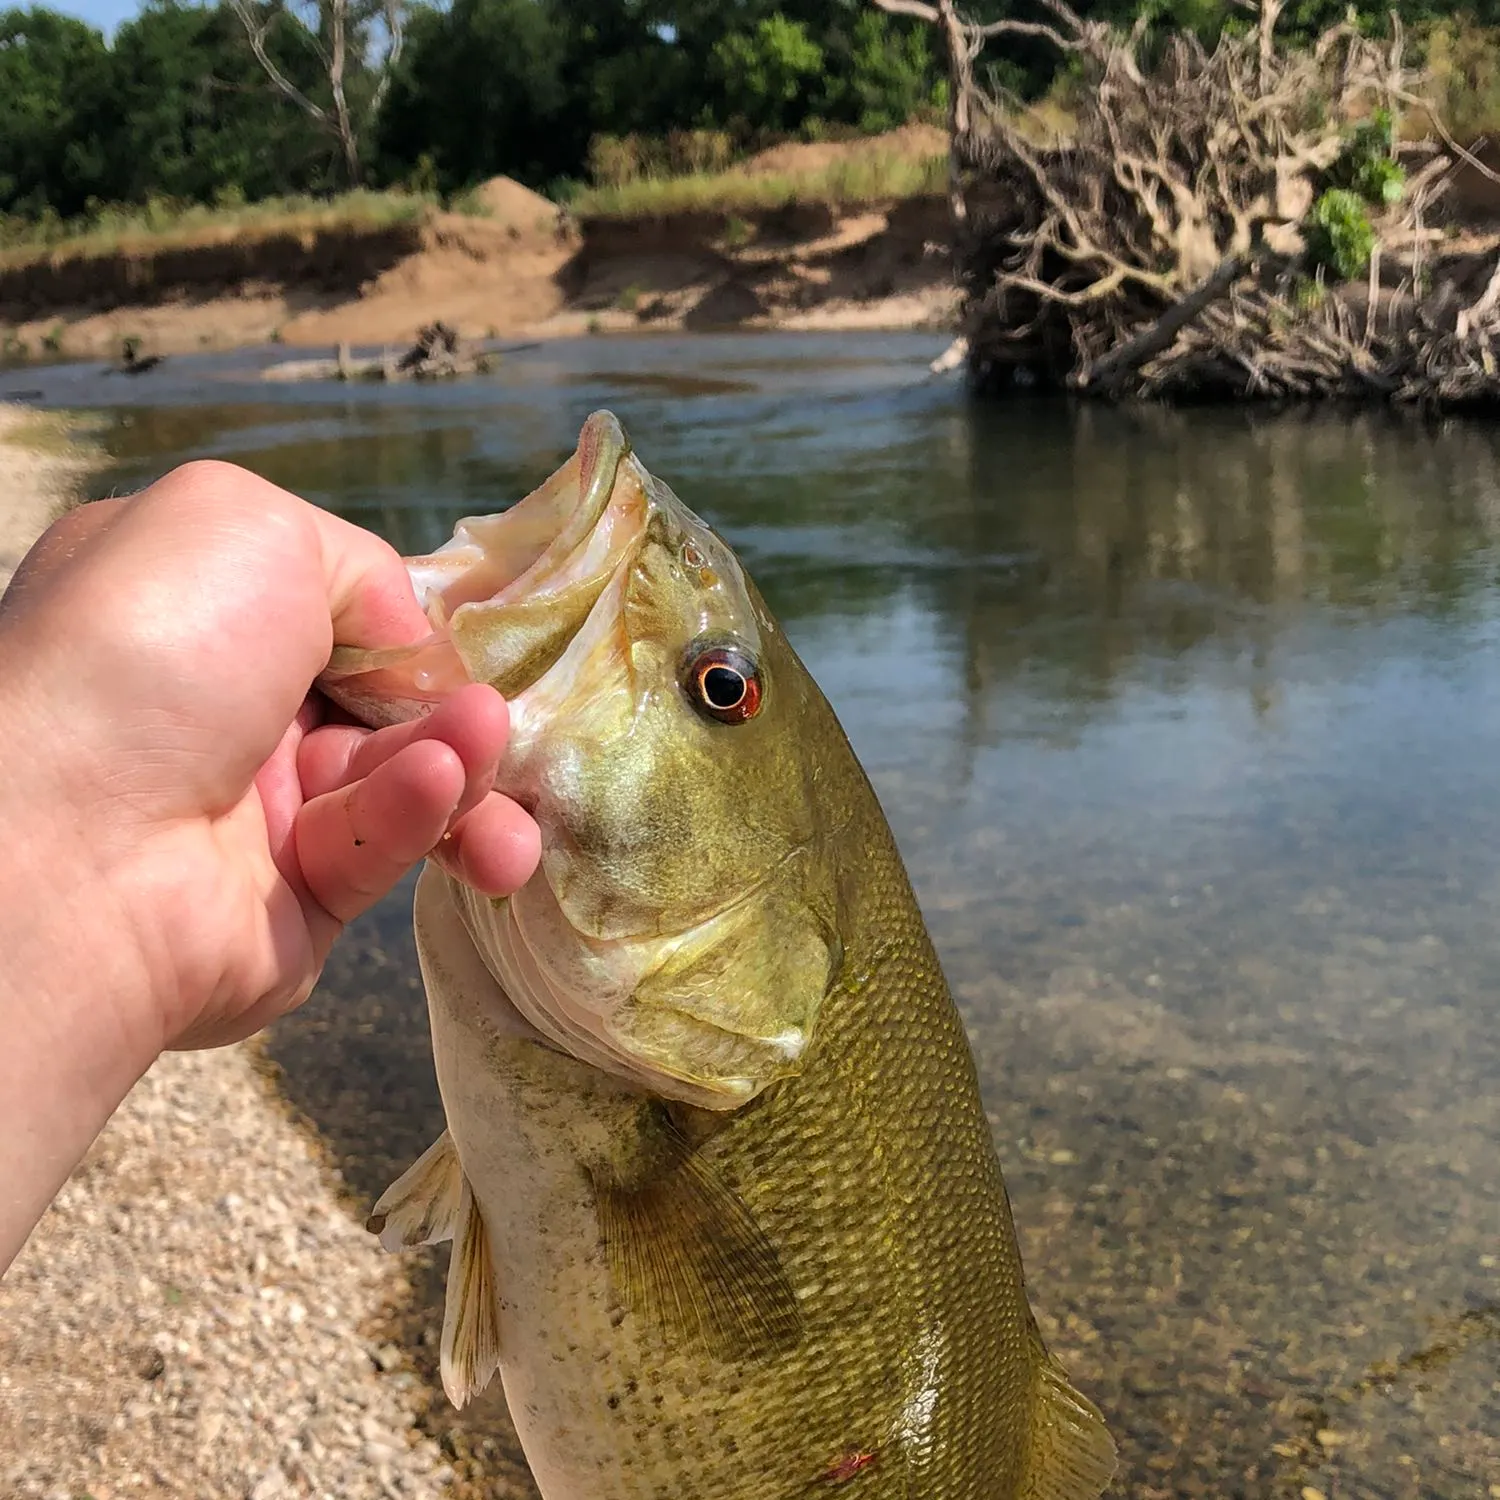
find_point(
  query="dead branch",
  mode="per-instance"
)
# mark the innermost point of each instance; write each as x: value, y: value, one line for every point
x: 1128, y: 357
x: 257, y: 22
x: 1119, y: 261
x: 347, y: 26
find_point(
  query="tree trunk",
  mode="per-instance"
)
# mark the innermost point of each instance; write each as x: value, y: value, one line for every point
x: 960, y: 83
x: 960, y: 46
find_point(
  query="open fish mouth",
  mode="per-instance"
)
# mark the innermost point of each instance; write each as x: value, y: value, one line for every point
x: 685, y: 969
x: 508, y: 593
x: 532, y: 601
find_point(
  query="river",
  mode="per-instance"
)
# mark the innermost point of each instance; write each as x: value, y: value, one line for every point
x: 1188, y: 724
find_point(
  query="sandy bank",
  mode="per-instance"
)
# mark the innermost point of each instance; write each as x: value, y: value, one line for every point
x: 41, y: 466
x: 880, y: 266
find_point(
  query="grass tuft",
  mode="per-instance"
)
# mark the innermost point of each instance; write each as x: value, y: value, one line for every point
x: 164, y: 225
x: 686, y: 172
x: 847, y: 182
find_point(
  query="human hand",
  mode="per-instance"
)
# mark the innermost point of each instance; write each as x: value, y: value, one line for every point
x: 168, y: 644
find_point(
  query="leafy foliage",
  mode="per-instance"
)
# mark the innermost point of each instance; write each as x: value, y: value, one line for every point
x: 49, y: 65
x: 1367, y: 165
x: 1380, y: 180
x: 176, y: 108
x: 765, y: 73
x: 1339, y: 235
x: 184, y: 111
x: 480, y: 91
x: 884, y: 76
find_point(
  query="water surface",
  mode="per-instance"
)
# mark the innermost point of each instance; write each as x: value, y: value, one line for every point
x: 1189, y: 728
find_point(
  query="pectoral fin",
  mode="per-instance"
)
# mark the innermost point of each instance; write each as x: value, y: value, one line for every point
x: 685, y: 1254
x: 471, y: 1319
x: 1072, y: 1454
x: 421, y: 1206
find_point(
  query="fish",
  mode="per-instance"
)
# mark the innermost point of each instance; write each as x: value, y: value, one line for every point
x: 727, y: 1218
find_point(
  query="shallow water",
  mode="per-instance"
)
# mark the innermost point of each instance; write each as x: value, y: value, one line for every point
x: 1187, y: 725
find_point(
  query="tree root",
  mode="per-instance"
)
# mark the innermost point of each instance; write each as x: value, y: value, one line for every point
x: 1160, y: 249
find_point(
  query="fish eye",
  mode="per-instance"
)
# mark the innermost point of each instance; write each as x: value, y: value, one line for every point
x: 723, y: 683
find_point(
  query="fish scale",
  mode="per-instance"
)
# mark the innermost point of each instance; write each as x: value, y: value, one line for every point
x: 693, y: 1282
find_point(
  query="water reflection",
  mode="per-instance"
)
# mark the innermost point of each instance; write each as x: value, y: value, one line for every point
x: 1170, y: 547
x: 1187, y: 726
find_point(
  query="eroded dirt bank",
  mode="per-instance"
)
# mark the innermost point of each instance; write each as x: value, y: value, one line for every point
x: 539, y: 276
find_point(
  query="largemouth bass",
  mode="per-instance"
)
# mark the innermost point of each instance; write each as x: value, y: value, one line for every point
x: 726, y: 1214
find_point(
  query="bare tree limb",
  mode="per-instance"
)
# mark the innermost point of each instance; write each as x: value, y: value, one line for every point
x: 346, y: 27
x: 915, y: 8
x: 1116, y: 259
x: 257, y: 24
x: 1125, y: 358
x: 395, y: 26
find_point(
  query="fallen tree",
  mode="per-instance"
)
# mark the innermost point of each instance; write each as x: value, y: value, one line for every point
x: 1248, y: 219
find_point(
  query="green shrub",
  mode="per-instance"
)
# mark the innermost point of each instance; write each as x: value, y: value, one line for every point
x: 1366, y: 165
x: 1380, y: 180
x: 1339, y: 234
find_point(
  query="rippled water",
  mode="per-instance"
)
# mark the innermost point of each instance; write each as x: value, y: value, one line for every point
x: 1189, y: 727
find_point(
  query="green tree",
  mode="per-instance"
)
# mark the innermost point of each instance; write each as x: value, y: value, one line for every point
x: 356, y: 46
x: 755, y: 60
x: 627, y: 68
x: 480, y: 91
x: 769, y: 74
x: 50, y: 66
x: 885, y: 77
x: 188, y: 113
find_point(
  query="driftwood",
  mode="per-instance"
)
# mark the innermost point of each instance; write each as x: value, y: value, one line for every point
x: 438, y: 353
x: 1161, y: 249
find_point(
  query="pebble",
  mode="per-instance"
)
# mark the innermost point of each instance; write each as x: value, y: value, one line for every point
x: 172, y: 1319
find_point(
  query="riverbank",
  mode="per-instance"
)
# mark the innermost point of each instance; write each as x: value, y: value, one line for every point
x: 42, y: 463
x: 829, y: 236
x: 194, y: 1317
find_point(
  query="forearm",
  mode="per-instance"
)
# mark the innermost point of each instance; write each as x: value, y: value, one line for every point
x: 75, y: 1021
x: 59, y: 1082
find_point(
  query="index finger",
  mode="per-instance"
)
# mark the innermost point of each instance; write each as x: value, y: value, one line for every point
x: 371, y: 602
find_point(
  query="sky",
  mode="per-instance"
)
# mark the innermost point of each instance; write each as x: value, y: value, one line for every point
x: 105, y: 14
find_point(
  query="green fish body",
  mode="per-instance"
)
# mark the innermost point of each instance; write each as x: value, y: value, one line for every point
x: 727, y: 1216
